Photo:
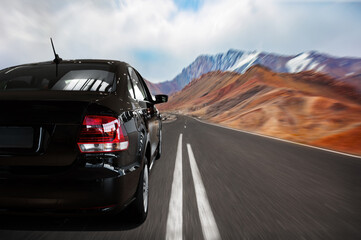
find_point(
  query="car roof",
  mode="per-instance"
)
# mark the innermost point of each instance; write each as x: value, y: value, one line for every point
x: 75, y: 61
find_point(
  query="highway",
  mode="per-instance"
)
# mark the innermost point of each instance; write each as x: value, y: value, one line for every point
x: 216, y: 183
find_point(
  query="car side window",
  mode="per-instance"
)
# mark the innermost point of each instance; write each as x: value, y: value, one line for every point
x: 130, y: 87
x: 145, y: 88
x: 137, y: 85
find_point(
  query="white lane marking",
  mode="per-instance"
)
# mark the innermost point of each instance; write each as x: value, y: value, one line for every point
x: 175, y: 213
x: 279, y: 139
x: 209, y: 226
x: 185, y: 126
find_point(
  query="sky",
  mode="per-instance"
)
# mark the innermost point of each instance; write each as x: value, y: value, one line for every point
x: 161, y: 37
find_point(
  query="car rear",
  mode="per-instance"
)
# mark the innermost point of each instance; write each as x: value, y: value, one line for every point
x: 64, y: 145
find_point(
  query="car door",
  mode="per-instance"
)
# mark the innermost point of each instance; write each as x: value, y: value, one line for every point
x: 147, y: 110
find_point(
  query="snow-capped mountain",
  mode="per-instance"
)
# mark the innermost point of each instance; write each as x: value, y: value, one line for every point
x: 240, y: 61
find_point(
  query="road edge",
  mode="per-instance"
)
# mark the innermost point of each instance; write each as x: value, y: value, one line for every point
x: 275, y: 138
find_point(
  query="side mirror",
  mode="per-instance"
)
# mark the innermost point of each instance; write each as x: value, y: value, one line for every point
x: 161, y: 98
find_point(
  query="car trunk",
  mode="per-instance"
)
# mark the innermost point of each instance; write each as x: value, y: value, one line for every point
x: 40, y: 129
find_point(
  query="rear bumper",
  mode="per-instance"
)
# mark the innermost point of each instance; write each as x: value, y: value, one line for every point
x: 93, y: 190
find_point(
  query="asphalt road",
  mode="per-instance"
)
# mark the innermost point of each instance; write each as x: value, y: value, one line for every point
x: 225, y: 184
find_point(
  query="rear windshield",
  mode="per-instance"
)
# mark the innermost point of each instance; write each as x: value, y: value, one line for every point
x: 65, y: 77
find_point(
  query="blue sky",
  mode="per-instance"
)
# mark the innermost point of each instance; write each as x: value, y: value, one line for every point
x: 193, y: 5
x: 161, y: 37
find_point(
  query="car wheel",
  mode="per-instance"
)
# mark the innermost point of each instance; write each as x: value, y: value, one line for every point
x: 141, y: 202
x: 159, y: 151
x: 159, y: 148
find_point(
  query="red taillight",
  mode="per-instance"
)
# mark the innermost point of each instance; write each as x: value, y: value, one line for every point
x: 102, y: 134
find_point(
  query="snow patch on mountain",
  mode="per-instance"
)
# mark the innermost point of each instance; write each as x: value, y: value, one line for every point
x: 298, y: 63
x: 349, y: 74
x: 313, y: 65
x: 245, y: 61
x: 319, y: 69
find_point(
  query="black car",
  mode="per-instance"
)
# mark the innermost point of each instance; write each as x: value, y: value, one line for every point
x: 77, y: 136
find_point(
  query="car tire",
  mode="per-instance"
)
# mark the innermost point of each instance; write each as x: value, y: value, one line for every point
x: 159, y: 148
x: 141, y: 202
x: 159, y: 151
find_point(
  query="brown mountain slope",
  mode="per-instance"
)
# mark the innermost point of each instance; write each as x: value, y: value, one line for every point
x: 153, y: 88
x: 306, y: 107
x: 158, y: 88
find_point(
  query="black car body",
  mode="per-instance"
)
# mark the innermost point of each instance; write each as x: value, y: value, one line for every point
x: 76, y: 136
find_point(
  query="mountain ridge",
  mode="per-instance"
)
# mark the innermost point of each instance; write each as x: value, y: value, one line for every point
x: 239, y: 61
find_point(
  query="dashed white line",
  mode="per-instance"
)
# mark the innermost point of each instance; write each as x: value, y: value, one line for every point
x: 209, y: 226
x: 175, y: 213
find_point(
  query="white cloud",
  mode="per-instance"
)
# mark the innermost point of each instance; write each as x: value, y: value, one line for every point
x: 159, y: 39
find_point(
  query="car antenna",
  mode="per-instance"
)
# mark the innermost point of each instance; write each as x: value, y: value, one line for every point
x: 57, y: 59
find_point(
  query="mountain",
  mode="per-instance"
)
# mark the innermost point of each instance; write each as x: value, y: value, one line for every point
x: 152, y: 87
x: 240, y: 61
x: 307, y: 107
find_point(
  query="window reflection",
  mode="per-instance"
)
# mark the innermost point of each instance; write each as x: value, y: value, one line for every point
x: 70, y: 78
x: 85, y: 80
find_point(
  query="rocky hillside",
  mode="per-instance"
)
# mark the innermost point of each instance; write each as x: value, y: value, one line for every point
x: 307, y: 107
